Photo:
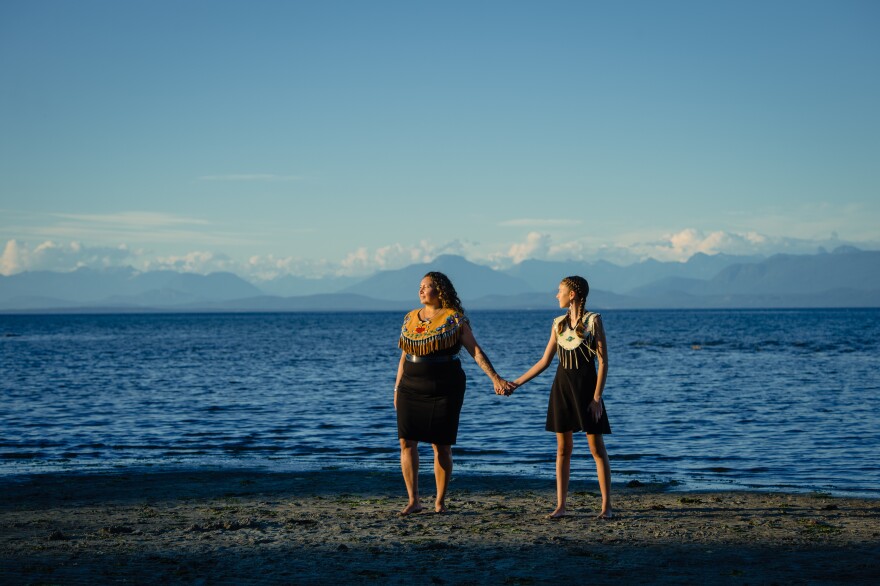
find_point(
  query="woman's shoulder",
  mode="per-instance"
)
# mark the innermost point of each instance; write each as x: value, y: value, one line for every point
x: 456, y: 316
x: 446, y: 314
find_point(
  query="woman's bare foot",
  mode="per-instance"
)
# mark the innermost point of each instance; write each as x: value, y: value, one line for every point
x: 605, y: 514
x: 411, y: 508
x: 558, y: 513
x: 440, y: 508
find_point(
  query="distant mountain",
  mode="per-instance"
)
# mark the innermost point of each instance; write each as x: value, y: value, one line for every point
x: 471, y: 281
x: 542, y: 275
x: 293, y: 286
x: 845, y: 278
x: 547, y: 300
x: 844, y: 270
x: 79, y: 286
x: 323, y: 302
x: 119, y: 287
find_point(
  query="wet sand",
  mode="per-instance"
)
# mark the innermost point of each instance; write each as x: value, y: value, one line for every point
x: 250, y: 527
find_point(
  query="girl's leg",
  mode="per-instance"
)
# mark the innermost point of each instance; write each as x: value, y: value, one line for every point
x: 603, y: 471
x: 442, y: 474
x: 564, y: 445
x: 409, y: 465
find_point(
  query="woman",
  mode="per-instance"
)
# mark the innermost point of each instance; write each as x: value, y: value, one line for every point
x: 430, y: 383
x: 578, y: 339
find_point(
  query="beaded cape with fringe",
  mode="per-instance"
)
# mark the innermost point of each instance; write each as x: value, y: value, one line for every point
x: 570, y: 347
x: 420, y: 338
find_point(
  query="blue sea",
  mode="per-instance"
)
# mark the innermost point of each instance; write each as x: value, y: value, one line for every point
x: 729, y: 399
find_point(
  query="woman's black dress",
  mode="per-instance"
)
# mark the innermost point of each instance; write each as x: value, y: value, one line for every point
x: 429, y: 399
x: 573, y: 387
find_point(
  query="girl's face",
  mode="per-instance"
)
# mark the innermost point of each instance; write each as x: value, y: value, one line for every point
x: 565, y: 296
x: 428, y: 294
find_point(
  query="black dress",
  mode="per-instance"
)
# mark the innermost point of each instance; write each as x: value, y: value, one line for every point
x: 431, y: 391
x: 429, y: 399
x: 575, y: 383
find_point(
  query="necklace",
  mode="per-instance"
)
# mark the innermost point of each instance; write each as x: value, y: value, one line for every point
x: 426, y: 319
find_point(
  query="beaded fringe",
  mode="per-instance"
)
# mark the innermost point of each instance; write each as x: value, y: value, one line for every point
x: 429, y: 345
x: 569, y: 358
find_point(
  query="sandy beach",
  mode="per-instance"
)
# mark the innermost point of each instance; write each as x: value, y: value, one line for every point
x: 243, y: 527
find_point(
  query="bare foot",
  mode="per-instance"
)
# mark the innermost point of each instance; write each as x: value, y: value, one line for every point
x: 411, y: 508
x: 440, y: 508
x: 606, y: 514
x: 558, y: 513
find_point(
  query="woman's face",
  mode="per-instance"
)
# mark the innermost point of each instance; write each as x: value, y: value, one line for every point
x: 428, y: 294
x: 565, y: 295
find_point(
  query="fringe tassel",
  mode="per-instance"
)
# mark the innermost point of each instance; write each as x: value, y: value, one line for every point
x: 429, y: 345
x: 569, y: 358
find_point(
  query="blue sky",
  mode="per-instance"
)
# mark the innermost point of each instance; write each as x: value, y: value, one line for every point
x: 329, y: 137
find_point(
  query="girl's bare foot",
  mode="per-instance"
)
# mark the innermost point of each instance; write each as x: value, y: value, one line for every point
x: 605, y: 514
x: 558, y: 513
x: 440, y: 508
x: 411, y: 508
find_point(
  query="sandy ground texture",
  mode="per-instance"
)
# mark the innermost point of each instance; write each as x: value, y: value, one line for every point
x: 341, y: 527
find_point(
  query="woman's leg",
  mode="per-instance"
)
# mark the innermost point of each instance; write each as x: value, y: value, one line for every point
x: 409, y: 465
x: 564, y: 446
x: 603, y: 471
x: 442, y: 474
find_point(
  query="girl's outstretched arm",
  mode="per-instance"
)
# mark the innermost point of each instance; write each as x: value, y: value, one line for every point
x: 541, y: 365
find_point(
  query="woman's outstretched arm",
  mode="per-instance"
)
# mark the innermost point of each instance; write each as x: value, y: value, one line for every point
x: 470, y: 343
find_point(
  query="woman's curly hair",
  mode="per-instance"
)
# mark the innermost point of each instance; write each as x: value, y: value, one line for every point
x: 581, y: 289
x: 448, y: 296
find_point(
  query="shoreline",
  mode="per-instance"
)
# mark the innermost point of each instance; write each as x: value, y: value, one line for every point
x: 251, y: 526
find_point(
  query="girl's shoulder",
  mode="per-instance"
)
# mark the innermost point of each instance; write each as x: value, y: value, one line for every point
x: 589, y: 318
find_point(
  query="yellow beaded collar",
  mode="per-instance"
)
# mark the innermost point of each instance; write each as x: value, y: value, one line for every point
x: 442, y: 331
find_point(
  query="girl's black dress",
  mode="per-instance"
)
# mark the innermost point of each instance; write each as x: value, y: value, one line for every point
x: 575, y: 382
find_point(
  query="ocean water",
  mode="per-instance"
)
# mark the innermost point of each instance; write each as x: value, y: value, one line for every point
x: 750, y: 399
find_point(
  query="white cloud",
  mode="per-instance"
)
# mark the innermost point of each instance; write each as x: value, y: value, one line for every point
x: 141, y: 227
x: 267, y: 267
x: 58, y: 255
x: 53, y: 256
x: 540, y: 223
x: 250, y: 177
x: 392, y: 256
x: 536, y: 245
x: 135, y: 219
x: 200, y: 262
x: 11, y: 262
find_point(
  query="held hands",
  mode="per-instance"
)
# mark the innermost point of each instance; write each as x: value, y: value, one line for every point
x: 504, y: 387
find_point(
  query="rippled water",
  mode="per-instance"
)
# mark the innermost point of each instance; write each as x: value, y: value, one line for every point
x: 705, y: 399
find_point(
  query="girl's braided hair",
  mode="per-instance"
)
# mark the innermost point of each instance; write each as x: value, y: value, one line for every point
x: 448, y: 296
x: 576, y: 310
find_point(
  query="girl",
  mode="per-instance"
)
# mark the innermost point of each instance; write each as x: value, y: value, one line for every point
x: 578, y: 339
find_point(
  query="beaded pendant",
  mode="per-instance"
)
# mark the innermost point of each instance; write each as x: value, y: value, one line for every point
x: 571, y: 348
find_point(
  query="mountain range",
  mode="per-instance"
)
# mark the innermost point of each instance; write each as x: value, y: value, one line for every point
x: 846, y: 277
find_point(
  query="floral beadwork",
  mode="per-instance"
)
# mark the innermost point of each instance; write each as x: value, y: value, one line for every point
x: 421, y: 337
